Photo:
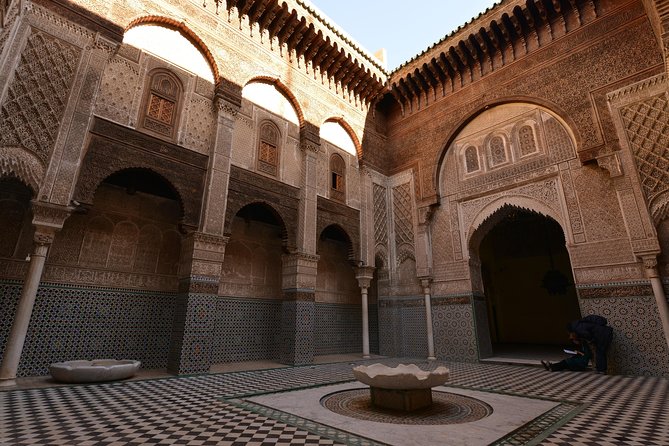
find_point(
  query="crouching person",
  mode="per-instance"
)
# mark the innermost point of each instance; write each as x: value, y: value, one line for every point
x: 578, y: 362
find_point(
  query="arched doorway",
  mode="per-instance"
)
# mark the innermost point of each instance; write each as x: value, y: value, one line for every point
x: 527, y: 281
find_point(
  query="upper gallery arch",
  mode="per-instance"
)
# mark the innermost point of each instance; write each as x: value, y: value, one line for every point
x: 338, y: 132
x: 174, y: 42
x: 273, y: 95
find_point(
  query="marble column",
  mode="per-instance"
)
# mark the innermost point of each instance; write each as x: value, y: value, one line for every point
x: 17, y: 335
x: 364, y: 275
x: 48, y: 219
x: 650, y: 265
x: 425, y: 283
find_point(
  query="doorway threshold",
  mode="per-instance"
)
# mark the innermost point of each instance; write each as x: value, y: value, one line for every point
x: 524, y: 354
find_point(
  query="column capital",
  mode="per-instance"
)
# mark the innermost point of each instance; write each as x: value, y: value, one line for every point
x: 364, y: 275
x: 49, y: 215
x: 310, y: 138
x: 425, y: 282
x: 228, y: 97
x: 650, y: 265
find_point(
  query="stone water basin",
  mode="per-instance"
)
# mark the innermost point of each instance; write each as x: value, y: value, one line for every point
x: 97, y: 370
x: 404, y: 388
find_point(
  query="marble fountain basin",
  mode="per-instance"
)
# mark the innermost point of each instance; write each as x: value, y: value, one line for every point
x: 404, y: 388
x: 97, y: 370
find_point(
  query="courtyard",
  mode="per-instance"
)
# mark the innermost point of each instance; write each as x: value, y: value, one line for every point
x: 281, y: 405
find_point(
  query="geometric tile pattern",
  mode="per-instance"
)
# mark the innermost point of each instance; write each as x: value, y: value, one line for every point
x: 454, y: 333
x: 297, y: 332
x: 245, y: 330
x: 402, y: 328
x: 86, y: 323
x: 205, y: 410
x: 191, y: 341
x: 338, y: 329
x: 446, y: 408
x: 373, y: 319
x: 638, y: 346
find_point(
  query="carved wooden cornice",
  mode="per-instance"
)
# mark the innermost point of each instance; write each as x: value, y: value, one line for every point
x: 306, y: 33
x: 494, y: 39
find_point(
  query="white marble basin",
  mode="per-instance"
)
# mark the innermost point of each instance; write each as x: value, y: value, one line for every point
x: 97, y: 370
x: 402, y: 377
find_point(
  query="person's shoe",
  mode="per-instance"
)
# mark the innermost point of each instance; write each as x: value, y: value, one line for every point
x: 547, y: 366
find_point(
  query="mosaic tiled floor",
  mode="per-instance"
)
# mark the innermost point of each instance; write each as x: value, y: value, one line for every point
x: 209, y: 409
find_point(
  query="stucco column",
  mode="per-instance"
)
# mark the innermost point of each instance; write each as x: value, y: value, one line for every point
x: 48, y: 219
x: 425, y: 283
x: 650, y: 265
x: 228, y: 101
x: 364, y: 275
x: 310, y: 143
x: 17, y: 335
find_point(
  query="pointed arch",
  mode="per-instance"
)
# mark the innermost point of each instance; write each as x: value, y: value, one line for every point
x: 495, y: 211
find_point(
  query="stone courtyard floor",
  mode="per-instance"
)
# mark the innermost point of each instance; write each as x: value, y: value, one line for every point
x: 281, y: 406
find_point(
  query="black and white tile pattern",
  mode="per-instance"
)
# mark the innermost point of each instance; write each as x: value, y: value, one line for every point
x: 199, y: 410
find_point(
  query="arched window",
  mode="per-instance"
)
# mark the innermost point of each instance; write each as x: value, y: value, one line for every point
x: 162, y: 104
x: 497, y: 151
x: 268, y: 148
x: 526, y: 140
x: 337, y: 178
x: 471, y: 159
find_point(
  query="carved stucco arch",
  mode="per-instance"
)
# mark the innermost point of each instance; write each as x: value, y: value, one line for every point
x: 288, y: 234
x: 185, y: 31
x: 91, y: 178
x: 494, y: 212
x: 351, y: 244
x: 22, y: 164
x: 547, y: 106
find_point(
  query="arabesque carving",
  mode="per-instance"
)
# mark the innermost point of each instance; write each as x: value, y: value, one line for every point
x: 380, y: 215
x: 647, y: 131
x: 36, y: 99
x: 403, y: 215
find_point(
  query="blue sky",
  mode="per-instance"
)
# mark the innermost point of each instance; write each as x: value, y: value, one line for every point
x: 403, y: 28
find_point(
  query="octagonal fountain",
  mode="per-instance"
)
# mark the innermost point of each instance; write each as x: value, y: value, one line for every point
x: 405, y: 388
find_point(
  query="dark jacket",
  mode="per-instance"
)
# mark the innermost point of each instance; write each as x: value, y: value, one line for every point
x: 593, y: 329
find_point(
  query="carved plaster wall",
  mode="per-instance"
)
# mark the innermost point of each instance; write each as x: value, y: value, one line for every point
x: 31, y: 112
